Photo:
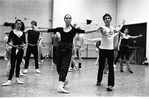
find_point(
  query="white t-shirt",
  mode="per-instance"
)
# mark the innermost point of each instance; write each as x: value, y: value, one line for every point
x: 107, y: 38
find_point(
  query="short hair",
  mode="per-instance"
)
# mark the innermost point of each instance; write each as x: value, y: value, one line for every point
x: 126, y: 28
x: 34, y: 22
x: 107, y: 15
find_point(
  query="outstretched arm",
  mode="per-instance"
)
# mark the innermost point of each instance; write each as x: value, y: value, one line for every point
x: 134, y: 37
x: 95, y: 39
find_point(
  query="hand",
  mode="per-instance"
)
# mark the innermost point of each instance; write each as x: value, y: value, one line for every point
x: 89, y: 39
x: 101, y: 28
x: 21, y: 46
x: 140, y: 35
x: 35, y: 28
x: 123, y: 22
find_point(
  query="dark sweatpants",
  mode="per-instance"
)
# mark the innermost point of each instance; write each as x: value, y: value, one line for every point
x: 103, y: 55
x: 31, y: 50
x: 63, y: 60
x: 55, y: 48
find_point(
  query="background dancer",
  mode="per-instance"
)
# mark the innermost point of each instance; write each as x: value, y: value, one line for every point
x: 55, y: 41
x: 79, y: 48
x: 32, y: 48
x: 17, y: 37
x: 124, y: 48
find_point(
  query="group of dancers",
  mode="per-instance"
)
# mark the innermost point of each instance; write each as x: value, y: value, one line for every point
x: 64, y: 48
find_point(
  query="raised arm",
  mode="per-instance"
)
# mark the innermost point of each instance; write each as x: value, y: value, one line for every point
x: 121, y: 26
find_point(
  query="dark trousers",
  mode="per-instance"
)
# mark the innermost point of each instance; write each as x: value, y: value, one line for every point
x: 31, y: 50
x: 103, y: 55
x: 15, y: 60
x: 124, y: 50
x: 64, y: 55
x: 55, y: 48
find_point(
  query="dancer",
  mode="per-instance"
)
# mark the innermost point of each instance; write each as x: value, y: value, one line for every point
x: 17, y: 37
x: 118, y: 54
x: 40, y: 49
x: 73, y: 63
x: 65, y: 50
x: 79, y: 48
x: 106, y: 50
x: 8, y: 50
x: 98, y: 42
x: 32, y: 48
x: 124, y: 48
x: 55, y: 41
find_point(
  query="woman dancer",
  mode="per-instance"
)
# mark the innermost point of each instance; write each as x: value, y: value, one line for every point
x: 124, y: 48
x: 106, y: 50
x: 17, y: 36
x: 64, y: 54
x: 79, y: 47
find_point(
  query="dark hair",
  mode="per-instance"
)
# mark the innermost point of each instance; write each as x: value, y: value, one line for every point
x: 22, y: 26
x: 126, y: 28
x: 34, y: 22
x: 107, y: 15
x: 12, y: 25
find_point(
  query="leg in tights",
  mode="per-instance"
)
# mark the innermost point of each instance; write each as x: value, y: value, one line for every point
x: 122, y: 52
x: 13, y: 61
x: 35, y: 53
x: 19, y: 60
x: 28, y: 54
x: 118, y: 56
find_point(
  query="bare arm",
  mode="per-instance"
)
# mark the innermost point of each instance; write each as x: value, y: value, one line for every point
x: 94, y: 40
x: 121, y: 26
x: 91, y: 31
x: 134, y: 37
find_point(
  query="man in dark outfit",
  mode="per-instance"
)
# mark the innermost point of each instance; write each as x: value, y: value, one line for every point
x: 33, y: 37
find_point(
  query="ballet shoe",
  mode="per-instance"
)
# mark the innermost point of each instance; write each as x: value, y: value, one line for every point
x: 8, y: 83
x: 37, y: 71
x: 25, y: 71
x: 65, y: 83
x: 21, y: 74
x: 109, y: 88
x: 121, y: 71
x: 98, y: 83
x: 79, y: 69
x: 62, y: 90
x: 70, y: 70
x: 130, y: 71
x: 19, y: 82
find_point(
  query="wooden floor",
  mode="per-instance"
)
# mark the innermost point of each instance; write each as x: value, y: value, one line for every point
x: 81, y: 83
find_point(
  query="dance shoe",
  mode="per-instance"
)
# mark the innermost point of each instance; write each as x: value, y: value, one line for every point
x: 8, y: 83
